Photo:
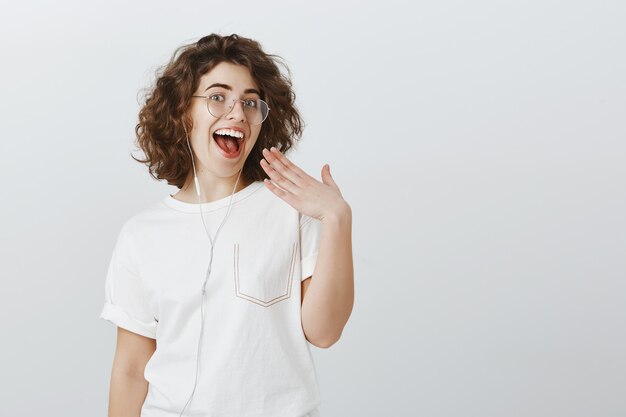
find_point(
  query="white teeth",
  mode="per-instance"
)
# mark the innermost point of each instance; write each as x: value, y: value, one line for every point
x: 230, y: 132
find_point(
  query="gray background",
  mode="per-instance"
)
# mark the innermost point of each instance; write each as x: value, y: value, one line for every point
x: 480, y: 145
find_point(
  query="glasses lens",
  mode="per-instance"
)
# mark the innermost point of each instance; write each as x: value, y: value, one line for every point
x: 260, y: 112
x: 256, y: 110
x: 217, y: 108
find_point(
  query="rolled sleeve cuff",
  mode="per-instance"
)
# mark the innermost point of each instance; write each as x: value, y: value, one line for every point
x: 308, y: 265
x: 116, y: 315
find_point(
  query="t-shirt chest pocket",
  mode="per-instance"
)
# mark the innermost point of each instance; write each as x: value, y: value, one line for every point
x: 264, y: 275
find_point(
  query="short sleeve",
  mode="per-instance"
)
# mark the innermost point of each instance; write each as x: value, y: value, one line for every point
x: 126, y: 300
x: 310, y: 233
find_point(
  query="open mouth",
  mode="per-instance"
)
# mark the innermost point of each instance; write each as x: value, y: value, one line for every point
x: 229, y: 141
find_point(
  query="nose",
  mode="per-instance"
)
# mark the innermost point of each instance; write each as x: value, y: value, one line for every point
x: 236, y: 111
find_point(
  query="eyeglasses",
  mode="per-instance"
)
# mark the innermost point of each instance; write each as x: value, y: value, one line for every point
x: 256, y: 110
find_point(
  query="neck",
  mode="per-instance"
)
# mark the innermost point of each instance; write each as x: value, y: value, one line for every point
x: 211, y: 187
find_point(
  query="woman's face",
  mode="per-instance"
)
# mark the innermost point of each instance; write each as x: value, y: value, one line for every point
x: 226, y: 81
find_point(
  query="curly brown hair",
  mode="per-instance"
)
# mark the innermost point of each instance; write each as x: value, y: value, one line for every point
x: 160, y: 132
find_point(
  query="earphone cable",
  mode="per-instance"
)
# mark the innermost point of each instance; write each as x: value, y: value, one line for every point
x: 210, y: 260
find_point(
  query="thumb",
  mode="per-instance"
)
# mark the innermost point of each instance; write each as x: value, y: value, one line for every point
x: 328, y: 179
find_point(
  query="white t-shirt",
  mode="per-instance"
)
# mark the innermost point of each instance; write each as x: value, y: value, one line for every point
x: 255, y: 360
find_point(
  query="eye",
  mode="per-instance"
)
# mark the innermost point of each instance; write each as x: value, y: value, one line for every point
x: 216, y: 97
x: 250, y: 103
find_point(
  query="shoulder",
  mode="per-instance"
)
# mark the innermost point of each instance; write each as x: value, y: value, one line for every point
x: 143, y: 220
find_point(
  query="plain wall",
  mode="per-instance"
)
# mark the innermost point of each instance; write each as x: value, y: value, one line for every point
x: 480, y: 144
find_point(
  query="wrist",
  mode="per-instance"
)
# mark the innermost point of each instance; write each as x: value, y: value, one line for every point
x: 339, y: 215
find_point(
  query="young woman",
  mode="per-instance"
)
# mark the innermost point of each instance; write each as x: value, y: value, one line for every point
x: 218, y: 290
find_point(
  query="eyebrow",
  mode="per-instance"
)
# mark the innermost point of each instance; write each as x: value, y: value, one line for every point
x: 228, y: 87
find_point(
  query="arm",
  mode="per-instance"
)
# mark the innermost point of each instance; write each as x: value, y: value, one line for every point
x: 330, y: 294
x: 128, y: 387
x: 328, y: 298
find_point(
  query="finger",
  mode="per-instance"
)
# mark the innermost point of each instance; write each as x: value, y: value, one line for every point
x: 328, y: 179
x: 276, y: 190
x: 281, y: 167
x: 292, y: 171
x: 278, y: 178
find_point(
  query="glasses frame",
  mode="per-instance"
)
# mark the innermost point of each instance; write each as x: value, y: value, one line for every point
x: 232, y: 106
